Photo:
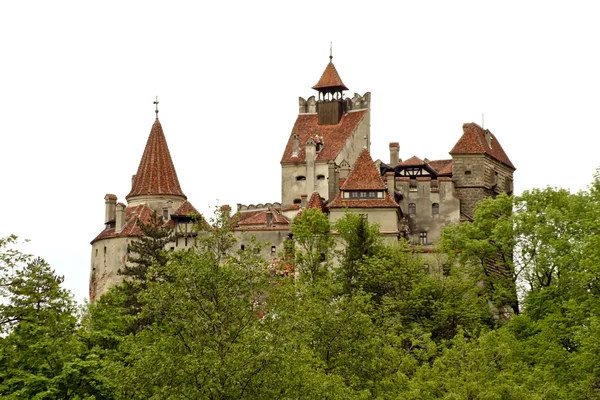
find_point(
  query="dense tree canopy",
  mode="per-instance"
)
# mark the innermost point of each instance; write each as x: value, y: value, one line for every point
x: 509, y: 308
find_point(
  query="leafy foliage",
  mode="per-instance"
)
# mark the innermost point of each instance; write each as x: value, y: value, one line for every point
x: 388, y: 322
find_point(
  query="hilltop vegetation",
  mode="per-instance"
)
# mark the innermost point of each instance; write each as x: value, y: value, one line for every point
x: 387, y: 323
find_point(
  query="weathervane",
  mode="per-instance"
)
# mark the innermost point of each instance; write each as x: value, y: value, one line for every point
x: 330, y: 51
x: 156, y: 103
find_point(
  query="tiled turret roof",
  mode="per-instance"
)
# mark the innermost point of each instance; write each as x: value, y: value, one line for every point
x: 156, y: 173
x: 473, y: 141
x: 330, y: 80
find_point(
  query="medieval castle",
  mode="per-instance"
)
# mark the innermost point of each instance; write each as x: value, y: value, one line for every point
x: 326, y: 164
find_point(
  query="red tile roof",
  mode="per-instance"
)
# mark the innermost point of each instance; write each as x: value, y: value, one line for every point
x: 447, y: 170
x: 412, y: 162
x: 334, y: 136
x: 316, y: 202
x: 364, y: 175
x: 132, y: 214
x: 439, y: 165
x: 185, y: 209
x: 330, y: 79
x: 473, y: 142
x: 156, y: 173
x: 259, y: 217
x: 292, y: 207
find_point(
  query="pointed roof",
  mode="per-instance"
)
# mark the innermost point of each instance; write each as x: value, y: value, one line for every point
x: 364, y: 175
x: 330, y: 80
x: 414, y: 161
x: 185, y: 210
x: 156, y: 173
x: 474, y: 141
x: 316, y: 202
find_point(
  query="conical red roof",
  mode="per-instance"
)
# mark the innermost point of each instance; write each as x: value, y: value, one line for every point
x: 330, y: 79
x: 156, y: 174
x: 364, y: 175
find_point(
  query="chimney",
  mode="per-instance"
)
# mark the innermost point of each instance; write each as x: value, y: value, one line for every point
x: 303, y: 198
x: 269, y: 218
x: 390, y: 177
x: 301, y: 106
x: 110, y: 201
x: 332, y: 180
x: 295, y: 145
x: 394, y: 154
x: 120, y: 217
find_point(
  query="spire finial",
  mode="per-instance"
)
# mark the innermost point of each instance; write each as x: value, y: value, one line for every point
x: 330, y: 51
x: 156, y: 103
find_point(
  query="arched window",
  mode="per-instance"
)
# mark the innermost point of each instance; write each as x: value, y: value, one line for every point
x: 435, y: 209
x: 412, y: 209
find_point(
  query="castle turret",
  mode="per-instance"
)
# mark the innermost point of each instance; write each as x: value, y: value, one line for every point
x: 331, y: 105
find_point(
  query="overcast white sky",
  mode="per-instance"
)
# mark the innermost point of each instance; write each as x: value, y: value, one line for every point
x: 77, y: 82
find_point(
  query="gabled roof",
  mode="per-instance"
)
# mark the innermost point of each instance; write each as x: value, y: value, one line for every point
x: 330, y: 80
x: 156, y: 173
x: 316, y: 202
x: 364, y: 175
x: 333, y: 137
x: 412, y: 162
x: 473, y: 141
x: 185, y: 209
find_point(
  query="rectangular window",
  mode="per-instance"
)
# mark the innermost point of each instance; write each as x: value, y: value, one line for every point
x: 273, y: 250
x: 166, y: 214
x: 423, y: 238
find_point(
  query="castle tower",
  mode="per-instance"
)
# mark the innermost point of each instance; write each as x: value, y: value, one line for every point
x: 328, y: 130
x: 155, y: 187
x: 480, y: 168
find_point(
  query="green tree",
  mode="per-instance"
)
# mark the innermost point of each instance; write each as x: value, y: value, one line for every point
x: 148, y: 249
x: 41, y: 355
x: 359, y: 239
x: 312, y: 235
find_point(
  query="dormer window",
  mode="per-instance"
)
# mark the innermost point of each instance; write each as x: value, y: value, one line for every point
x: 320, y: 177
x: 300, y: 178
x: 319, y: 147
